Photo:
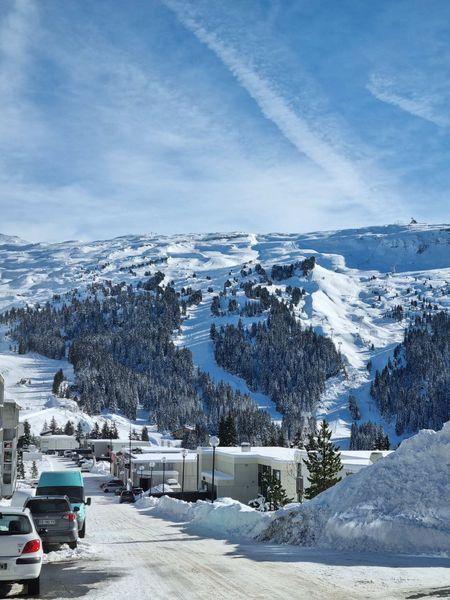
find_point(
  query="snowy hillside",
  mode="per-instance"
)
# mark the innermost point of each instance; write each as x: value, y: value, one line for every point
x: 360, y: 275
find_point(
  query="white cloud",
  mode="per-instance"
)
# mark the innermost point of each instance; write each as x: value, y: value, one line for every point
x: 408, y: 96
x: 349, y: 174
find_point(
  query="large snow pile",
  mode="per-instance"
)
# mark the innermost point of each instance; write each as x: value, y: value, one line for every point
x: 102, y: 467
x: 225, y: 518
x: 400, y: 504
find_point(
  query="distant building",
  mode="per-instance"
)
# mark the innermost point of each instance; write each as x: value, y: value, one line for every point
x: 102, y: 448
x: 9, y: 434
x: 52, y: 444
x: 238, y: 470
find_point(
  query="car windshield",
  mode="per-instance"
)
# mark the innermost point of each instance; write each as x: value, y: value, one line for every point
x: 74, y: 493
x: 14, y: 524
x: 39, y: 507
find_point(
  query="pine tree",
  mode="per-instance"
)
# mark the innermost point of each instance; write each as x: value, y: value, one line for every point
x: 79, y: 433
x: 25, y: 439
x: 105, y: 433
x: 53, y: 426
x: 20, y: 466
x: 323, y: 462
x: 95, y: 432
x: 57, y: 380
x: 273, y: 492
x: 34, y: 470
x: 114, y: 432
x: 69, y: 428
x: 144, y: 434
x: 44, y: 427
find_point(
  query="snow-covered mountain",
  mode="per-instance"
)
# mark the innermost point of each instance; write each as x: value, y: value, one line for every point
x: 359, y: 276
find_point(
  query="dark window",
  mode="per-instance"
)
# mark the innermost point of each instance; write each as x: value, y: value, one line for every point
x: 38, y: 507
x: 261, y: 470
x: 74, y: 493
x: 277, y: 474
x: 14, y: 524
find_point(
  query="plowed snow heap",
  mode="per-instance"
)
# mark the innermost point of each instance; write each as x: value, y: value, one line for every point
x: 400, y: 504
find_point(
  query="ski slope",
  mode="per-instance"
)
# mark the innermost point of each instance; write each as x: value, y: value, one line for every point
x: 359, y: 276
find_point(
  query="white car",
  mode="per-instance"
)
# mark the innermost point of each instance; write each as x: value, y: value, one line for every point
x: 20, y: 549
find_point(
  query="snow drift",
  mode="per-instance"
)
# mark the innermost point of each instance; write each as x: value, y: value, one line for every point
x: 225, y: 518
x: 400, y: 504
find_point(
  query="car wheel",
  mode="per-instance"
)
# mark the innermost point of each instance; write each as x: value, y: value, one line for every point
x: 73, y: 545
x: 34, y: 587
x: 83, y: 531
x: 106, y: 491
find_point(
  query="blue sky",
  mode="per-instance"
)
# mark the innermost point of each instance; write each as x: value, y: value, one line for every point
x: 178, y: 116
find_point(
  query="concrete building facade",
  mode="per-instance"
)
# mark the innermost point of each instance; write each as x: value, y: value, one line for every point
x: 9, y: 435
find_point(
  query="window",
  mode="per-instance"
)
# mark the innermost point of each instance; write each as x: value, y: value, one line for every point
x: 39, y: 507
x: 261, y: 470
x: 14, y: 524
x: 277, y: 474
x: 74, y: 493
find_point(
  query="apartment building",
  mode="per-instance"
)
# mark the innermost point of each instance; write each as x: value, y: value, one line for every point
x: 9, y: 434
x: 238, y: 470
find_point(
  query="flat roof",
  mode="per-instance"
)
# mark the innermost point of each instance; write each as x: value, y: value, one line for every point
x: 276, y: 453
x: 158, y: 456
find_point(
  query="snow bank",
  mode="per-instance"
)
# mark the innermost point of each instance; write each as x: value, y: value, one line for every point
x: 225, y: 518
x: 101, y: 467
x: 400, y: 504
x: 64, y: 554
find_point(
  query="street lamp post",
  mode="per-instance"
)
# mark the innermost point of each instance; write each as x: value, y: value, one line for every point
x: 184, y: 453
x: 163, y: 460
x: 152, y: 466
x: 213, y: 442
x: 141, y: 470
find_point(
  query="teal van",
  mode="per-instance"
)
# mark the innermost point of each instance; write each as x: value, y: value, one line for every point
x: 66, y: 483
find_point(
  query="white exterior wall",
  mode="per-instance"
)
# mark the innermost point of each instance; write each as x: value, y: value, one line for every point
x: 51, y: 443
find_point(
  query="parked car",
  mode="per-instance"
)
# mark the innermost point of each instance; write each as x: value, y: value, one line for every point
x: 105, y: 483
x: 112, y: 487
x: 86, y: 466
x: 54, y: 519
x: 138, y: 492
x: 67, y: 483
x: 127, y: 496
x: 20, y: 549
x: 119, y: 490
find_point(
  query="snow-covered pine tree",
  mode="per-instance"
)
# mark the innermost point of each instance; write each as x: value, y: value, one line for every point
x: 34, y: 470
x: 54, y: 426
x: 323, y: 462
x: 57, y: 380
x: 20, y: 466
x: 144, y: 434
x: 79, y: 433
x: 273, y: 491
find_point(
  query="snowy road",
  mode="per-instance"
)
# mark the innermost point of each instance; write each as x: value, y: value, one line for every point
x: 137, y: 556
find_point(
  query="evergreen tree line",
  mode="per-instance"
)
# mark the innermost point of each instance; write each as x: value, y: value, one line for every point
x: 118, y: 339
x: 414, y: 388
x: 280, y: 358
x: 368, y: 436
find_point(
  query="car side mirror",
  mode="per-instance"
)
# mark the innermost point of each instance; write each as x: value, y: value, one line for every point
x: 76, y: 508
x: 88, y: 501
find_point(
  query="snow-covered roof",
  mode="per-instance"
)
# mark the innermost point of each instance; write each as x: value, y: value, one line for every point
x: 58, y: 437
x: 158, y: 456
x: 275, y: 453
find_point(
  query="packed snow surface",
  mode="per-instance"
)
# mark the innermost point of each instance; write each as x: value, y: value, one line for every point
x: 399, y: 504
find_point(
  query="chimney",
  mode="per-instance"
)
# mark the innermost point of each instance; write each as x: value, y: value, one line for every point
x: 245, y: 447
